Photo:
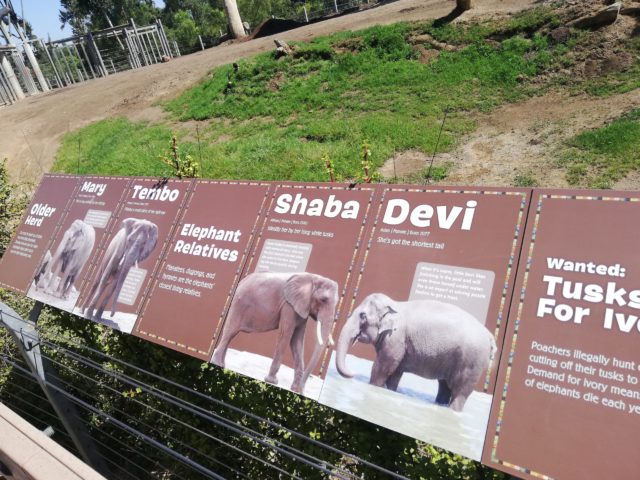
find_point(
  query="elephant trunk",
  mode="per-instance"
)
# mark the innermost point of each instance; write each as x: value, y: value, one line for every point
x: 348, y: 335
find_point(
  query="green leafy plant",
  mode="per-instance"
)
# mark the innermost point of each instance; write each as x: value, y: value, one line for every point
x: 330, y: 167
x: 183, y: 165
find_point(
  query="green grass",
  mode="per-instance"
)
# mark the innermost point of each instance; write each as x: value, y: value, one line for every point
x: 600, y: 157
x: 275, y: 119
x: 114, y: 147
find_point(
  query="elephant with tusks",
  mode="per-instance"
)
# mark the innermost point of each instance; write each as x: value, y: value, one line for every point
x: 58, y: 272
x: 431, y: 339
x: 133, y: 243
x: 267, y: 301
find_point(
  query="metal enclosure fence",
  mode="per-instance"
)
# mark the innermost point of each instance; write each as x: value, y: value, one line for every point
x: 80, y: 58
x: 334, y: 7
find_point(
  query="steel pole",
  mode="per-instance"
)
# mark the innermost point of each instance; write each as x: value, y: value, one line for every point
x: 27, y: 339
x: 53, y: 65
x: 12, y: 79
x: 35, y: 66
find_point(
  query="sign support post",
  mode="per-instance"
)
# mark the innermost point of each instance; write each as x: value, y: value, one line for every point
x: 28, y: 341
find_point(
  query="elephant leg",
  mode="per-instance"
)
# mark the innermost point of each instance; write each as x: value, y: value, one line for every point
x: 228, y: 333
x: 385, y: 365
x: 458, y: 401
x: 63, y: 286
x: 110, y: 288
x: 96, y: 291
x: 55, y: 272
x: 287, y: 326
x: 297, y: 348
x: 380, y: 373
x: 461, y: 388
x: 68, y: 284
x: 394, y: 380
x: 444, y: 393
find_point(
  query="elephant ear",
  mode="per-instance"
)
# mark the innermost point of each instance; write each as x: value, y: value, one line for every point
x: 387, y: 319
x: 128, y: 224
x: 297, y: 293
x: 149, y: 241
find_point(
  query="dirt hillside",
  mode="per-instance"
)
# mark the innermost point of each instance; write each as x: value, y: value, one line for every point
x: 31, y: 130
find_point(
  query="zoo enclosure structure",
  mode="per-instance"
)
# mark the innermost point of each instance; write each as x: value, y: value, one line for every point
x: 105, y: 52
x: 59, y: 63
x: 332, y: 8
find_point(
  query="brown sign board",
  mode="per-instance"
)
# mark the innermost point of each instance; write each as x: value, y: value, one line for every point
x: 83, y: 228
x: 568, y: 395
x: 26, y: 255
x: 132, y: 251
x: 194, y: 284
x: 429, y: 304
x: 300, y: 268
x: 193, y: 264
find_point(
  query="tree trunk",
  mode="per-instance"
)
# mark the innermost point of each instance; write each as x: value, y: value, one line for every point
x: 463, y: 5
x: 233, y: 17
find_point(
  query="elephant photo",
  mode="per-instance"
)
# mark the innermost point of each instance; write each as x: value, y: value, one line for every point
x: 42, y: 275
x: 267, y: 301
x: 133, y: 243
x: 58, y: 272
x: 428, y: 338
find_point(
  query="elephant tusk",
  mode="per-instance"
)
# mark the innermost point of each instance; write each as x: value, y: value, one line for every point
x: 319, y: 333
x: 331, y: 341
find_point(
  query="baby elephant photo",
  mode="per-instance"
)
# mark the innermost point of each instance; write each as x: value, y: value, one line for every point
x: 267, y: 301
x: 431, y: 339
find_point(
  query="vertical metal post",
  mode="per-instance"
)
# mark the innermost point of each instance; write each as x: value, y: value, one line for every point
x: 32, y: 58
x: 201, y: 44
x: 335, y: 4
x: 306, y: 15
x: 6, y: 86
x: 28, y: 341
x: 113, y: 67
x: 139, y: 42
x: 62, y: 65
x: 67, y: 65
x: 96, y: 51
x: 154, y: 33
x: 5, y: 95
x: 163, y: 39
x: 25, y: 73
x: 53, y: 65
x: 72, y: 62
x: 75, y: 47
x: 11, y: 78
x: 175, y: 45
x: 84, y: 51
x: 133, y: 57
x: 35, y: 66
x: 147, y: 42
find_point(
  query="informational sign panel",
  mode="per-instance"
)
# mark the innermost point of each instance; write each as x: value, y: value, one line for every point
x: 26, y: 256
x: 396, y: 304
x: 283, y: 311
x: 427, y: 311
x: 568, y: 397
x: 74, y: 246
x: 193, y: 287
x: 132, y: 251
